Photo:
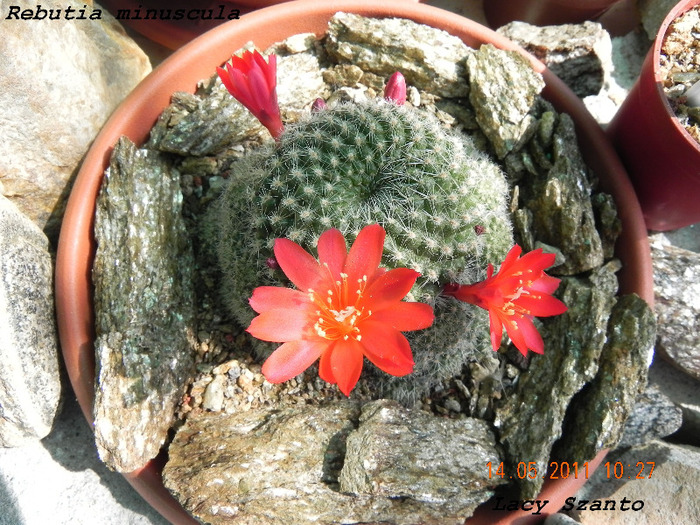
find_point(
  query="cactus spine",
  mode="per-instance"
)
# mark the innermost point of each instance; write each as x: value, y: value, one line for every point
x: 441, y: 202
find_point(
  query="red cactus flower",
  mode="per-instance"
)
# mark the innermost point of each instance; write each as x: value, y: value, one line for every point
x: 395, y: 89
x: 517, y: 293
x: 253, y: 82
x: 345, y: 307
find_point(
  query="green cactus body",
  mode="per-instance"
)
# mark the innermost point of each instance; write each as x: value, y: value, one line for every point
x: 441, y: 202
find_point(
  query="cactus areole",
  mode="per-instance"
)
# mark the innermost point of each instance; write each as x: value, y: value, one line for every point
x: 441, y: 207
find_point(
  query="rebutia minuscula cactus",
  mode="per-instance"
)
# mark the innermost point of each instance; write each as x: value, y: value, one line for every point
x: 440, y: 200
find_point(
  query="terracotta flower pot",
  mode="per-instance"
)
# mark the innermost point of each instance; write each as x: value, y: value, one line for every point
x: 663, y: 159
x: 137, y: 114
x: 544, y: 12
x: 174, y: 31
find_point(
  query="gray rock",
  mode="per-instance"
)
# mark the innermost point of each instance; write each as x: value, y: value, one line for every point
x: 213, y: 398
x: 654, y: 416
x: 530, y: 420
x: 677, y: 300
x: 579, y: 54
x: 144, y: 307
x: 653, y: 13
x: 687, y: 238
x: 682, y: 389
x: 56, y: 92
x: 399, y: 453
x: 560, y: 206
x: 597, y: 416
x: 668, y: 494
x: 30, y: 387
x: 607, y: 222
x: 429, y: 58
x: 560, y: 519
x: 503, y: 113
x: 282, y: 465
x: 628, y: 52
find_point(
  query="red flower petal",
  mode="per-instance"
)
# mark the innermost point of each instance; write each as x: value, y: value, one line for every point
x: 269, y: 68
x: 278, y: 326
x: 546, y: 284
x: 511, y: 258
x: 520, y: 290
x: 325, y: 371
x: 389, y: 288
x: 405, y: 317
x: 253, y: 82
x: 524, y: 335
x: 540, y: 305
x: 332, y: 252
x: 536, y: 261
x: 297, y: 264
x: 292, y: 358
x: 387, y: 348
x: 225, y: 78
x: 346, y: 364
x: 496, y: 329
x: 345, y: 307
x: 277, y: 298
x: 516, y: 335
x: 365, y: 253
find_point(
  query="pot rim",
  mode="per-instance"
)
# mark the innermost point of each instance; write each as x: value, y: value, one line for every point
x: 139, y: 111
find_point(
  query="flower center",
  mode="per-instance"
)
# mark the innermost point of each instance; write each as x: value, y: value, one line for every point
x: 343, y: 314
x: 341, y: 311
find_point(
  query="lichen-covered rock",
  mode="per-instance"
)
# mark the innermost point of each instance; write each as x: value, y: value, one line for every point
x: 399, y: 453
x: 144, y: 307
x: 30, y: 387
x: 607, y: 221
x: 668, y: 494
x: 282, y: 466
x: 579, y: 54
x: 560, y: 208
x: 598, y: 414
x: 677, y: 300
x: 653, y: 416
x: 263, y: 466
x: 429, y: 58
x: 530, y: 420
x: 503, y: 113
x: 681, y: 390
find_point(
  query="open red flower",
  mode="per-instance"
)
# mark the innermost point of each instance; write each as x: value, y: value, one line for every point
x: 253, y: 82
x: 517, y: 293
x: 345, y: 307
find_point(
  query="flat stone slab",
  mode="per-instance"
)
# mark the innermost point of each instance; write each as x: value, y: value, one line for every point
x: 144, y: 307
x: 30, y: 387
x: 309, y: 464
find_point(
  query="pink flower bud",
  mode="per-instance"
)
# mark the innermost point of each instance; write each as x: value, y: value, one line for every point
x: 318, y: 105
x: 253, y: 82
x: 395, y: 89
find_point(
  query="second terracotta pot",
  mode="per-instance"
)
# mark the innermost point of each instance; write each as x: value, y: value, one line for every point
x: 544, y: 12
x: 663, y: 159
